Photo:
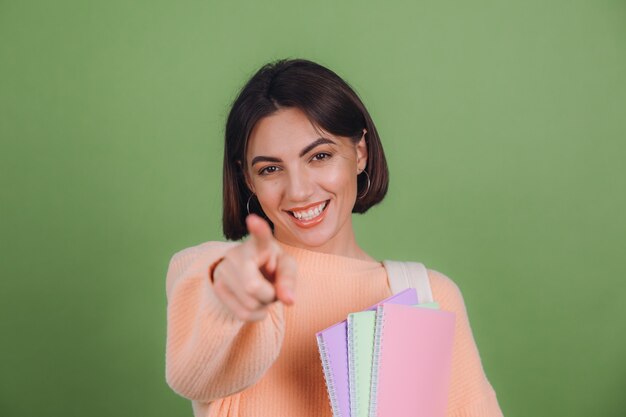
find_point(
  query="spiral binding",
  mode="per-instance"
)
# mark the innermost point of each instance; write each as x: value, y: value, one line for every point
x: 378, y: 339
x: 328, y: 377
x: 352, y: 368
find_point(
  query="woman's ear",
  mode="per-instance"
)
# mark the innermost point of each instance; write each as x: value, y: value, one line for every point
x: 361, y: 153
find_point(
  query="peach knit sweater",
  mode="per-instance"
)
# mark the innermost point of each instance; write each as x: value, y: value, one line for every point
x: 271, y: 368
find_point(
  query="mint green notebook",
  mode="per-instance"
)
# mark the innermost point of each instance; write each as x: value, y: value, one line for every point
x: 361, y: 328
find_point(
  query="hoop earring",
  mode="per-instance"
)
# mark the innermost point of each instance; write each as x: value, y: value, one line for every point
x: 248, y: 203
x: 368, y: 185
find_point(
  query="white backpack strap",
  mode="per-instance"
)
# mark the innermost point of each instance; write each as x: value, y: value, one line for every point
x: 403, y: 275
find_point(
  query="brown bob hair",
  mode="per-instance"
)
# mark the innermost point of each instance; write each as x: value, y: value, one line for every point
x: 329, y: 103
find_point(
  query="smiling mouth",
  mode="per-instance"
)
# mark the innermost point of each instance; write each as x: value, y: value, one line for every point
x: 311, y: 213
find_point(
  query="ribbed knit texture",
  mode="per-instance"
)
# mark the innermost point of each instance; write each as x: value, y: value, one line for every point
x: 272, y: 368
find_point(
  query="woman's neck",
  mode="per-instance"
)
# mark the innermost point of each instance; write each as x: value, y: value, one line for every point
x: 346, y: 246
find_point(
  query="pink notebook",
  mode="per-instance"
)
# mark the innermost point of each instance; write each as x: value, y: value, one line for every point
x: 333, y: 347
x: 412, y: 362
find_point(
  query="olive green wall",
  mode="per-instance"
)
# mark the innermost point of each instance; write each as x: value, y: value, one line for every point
x: 504, y: 124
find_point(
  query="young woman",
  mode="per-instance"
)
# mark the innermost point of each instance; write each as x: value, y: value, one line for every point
x: 301, y: 155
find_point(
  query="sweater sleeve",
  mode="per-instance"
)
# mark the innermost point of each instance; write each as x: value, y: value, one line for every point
x: 471, y: 394
x: 210, y: 353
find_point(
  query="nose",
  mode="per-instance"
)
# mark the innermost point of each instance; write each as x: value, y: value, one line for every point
x: 300, y: 186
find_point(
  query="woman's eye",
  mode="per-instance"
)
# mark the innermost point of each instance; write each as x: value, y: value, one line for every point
x: 321, y: 156
x: 268, y: 170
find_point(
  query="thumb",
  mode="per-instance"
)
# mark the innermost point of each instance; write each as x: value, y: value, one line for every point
x: 285, y: 282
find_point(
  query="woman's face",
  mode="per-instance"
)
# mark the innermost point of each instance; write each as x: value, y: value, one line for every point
x: 305, y: 180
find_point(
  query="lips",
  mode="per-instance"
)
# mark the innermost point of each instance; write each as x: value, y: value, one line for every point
x: 310, y: 215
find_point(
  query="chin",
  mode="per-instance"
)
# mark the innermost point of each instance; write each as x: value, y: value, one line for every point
x: 311, y: 238
x: 313, y: 242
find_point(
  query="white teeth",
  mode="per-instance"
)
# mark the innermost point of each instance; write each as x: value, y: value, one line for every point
x: 311, y: 213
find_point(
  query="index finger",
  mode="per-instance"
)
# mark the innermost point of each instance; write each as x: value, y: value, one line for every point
x: 260, y: 231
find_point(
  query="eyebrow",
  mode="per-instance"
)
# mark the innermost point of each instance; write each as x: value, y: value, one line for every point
x: 308, y: 148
